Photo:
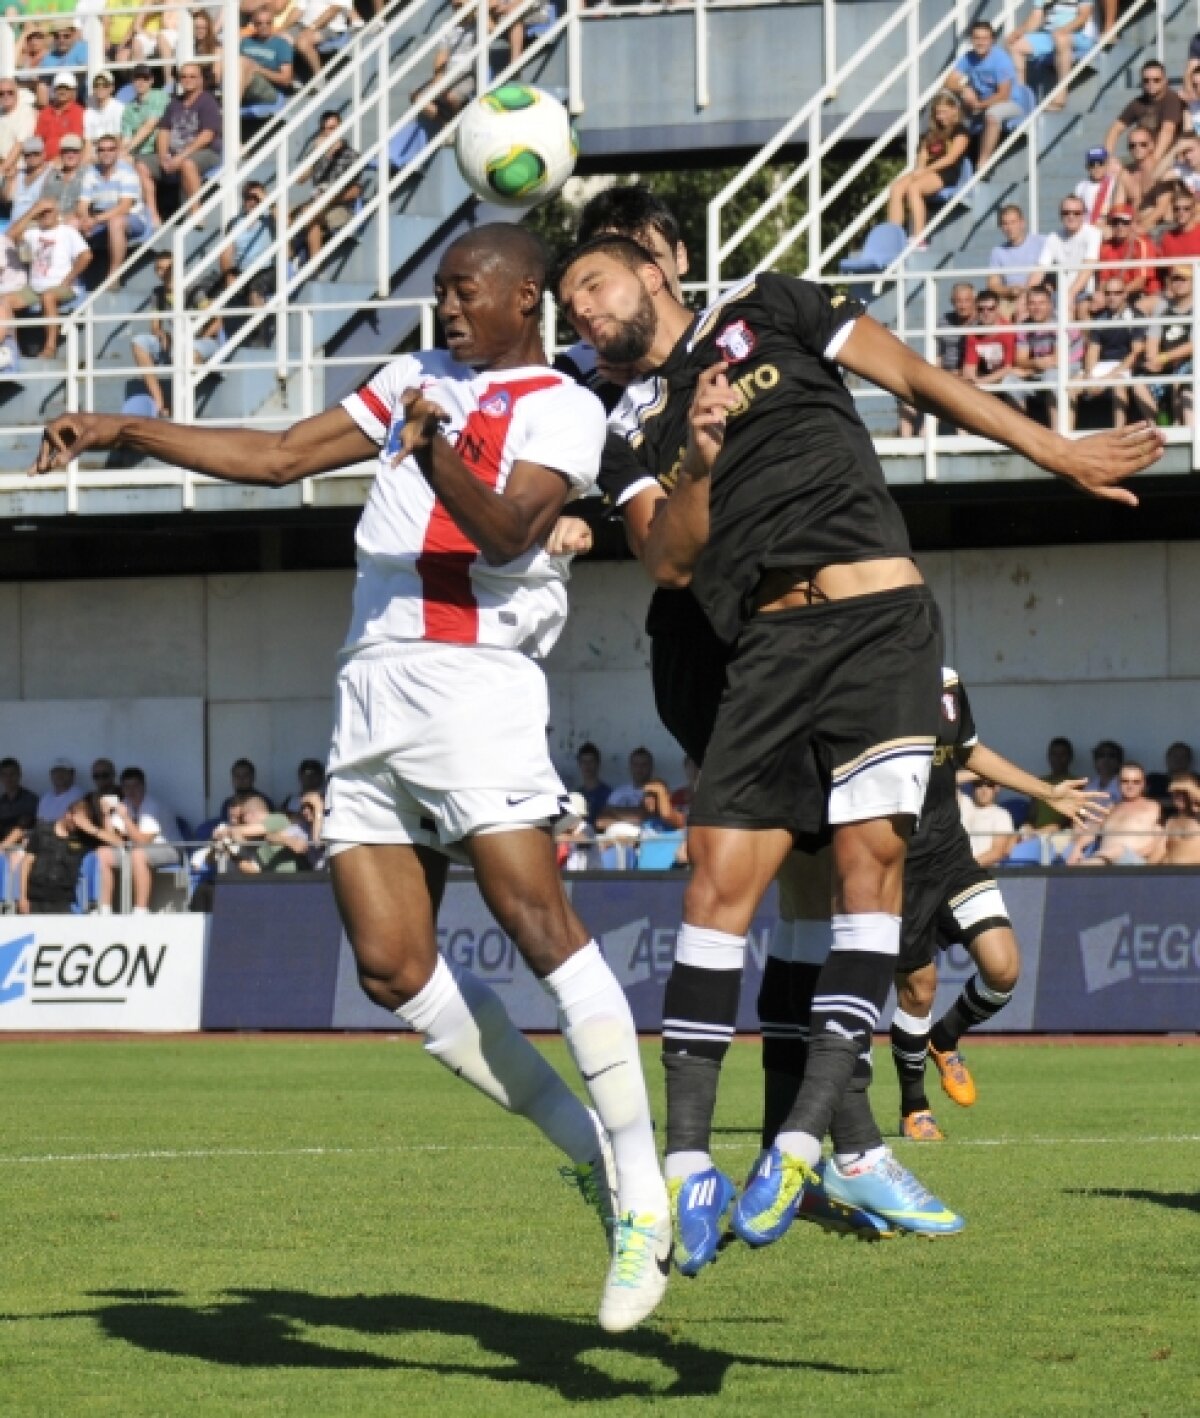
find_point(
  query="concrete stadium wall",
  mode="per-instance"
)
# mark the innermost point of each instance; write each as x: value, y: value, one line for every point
x: 186, y: 674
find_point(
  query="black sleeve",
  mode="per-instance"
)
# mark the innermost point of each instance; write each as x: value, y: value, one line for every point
x: 620, y: 468
x: 968, y: 735
x: 811, y: 314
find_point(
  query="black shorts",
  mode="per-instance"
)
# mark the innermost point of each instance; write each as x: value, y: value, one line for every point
x: 687, y: 668
x: 949, y: 899
x: 830, y: 715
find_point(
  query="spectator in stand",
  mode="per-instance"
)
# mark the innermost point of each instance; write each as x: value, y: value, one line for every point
x: 951, y: 350
x: 626, y: 803
x: 1178, y: 760
x: 1158, y: 109
x: 139, y: 126
x: 67, y: 54
x: 63, y: 792
x: 332, y: 203
x: 153, y: 348
x: 267, y: 60
x: 681, y: 798
x: 1098, y: 190
x: 31, y: 52
x: 142, y: 822
x: 1132, y: 834
x: 311, y: 817
x: 1042, y: 817
x: 1062, y: 30
x: 1073, y: 250
x: 312, y: 23
x: 659, y: 813
x: 442, y: 108
x: 58, y: 257
x: 989, y: 825
x: 1037, y: 359
x: 311, y: 778
x: 940, y: 156
x: 265, y: 841
x: 1186, y: 168
x: 1181, y: 836
x: 242, y: 778
x: 14, y: 277
x: 62, y: 115
x: 49, y: 873
x: 991, y: 350
x: 64, y: 182
x: 111, y: 212
x: 1181, y: 240
x: 1130, y: 248
x: 104, y: 114
x: 251, y: 243
x: 1169, y: 348
x: 1141, y: 188
x: 104, y: 776
x: 188, y: 142
x: 1113, y: 350
x: 984, y: 79
x: 1107, y: 758
x: 596, y: 793
x: 18, y: 806
x: 206, y: 48
x: 23, y: 189
x: 1017, y: 254
x: 18, y: 118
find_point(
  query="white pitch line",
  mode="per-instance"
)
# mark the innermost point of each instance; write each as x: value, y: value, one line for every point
x: 214, y: 1153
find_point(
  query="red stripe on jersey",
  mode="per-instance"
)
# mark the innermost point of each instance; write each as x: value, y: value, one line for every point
x: 450, y: 610
x: 376, y: 406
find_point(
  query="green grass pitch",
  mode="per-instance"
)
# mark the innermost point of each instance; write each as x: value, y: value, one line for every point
x: 257, y: 1226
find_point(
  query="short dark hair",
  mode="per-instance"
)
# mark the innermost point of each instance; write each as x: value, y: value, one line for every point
x: 588, y: 747
x: 628, y: 211
x: 9, y: 763
x: 314, y: 764
x: 132, y: 775
x: 1061, y: 741
x: 1109, y: 746
x: 621, y: 248
x: 1040, y: 289
x: 984, y: 25
x: 143, y: 71
x: 327, y: 115
x: 1154, y: 64
x: 243, y: 763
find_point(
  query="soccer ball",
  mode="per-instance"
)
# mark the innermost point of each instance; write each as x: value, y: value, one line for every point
x: 515, y: 146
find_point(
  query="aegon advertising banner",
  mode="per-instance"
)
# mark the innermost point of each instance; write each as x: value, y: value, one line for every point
x: 102, y: 972
x: 1122, y: 952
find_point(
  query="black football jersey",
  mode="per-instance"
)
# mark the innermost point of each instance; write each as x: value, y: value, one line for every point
x: 798, y: 483
x: 941, y: 821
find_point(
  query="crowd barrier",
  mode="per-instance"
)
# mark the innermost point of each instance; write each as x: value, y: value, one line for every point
x: 1105, y: 951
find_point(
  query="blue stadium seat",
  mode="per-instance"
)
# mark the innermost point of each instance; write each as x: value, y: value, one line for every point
x: 883, y: 245
x: 658, y: 853
x: 948, y: 194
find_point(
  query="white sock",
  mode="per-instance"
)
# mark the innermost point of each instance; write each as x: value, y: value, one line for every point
x: 599, y: 1031
x: 678, y: 1165
x: 468, y: 1031
x: 852, y: 1163
x: 800, y: 1144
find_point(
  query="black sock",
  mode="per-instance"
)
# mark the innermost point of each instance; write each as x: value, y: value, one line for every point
x: 784, y: 1045
x: 976, y: 1003
x: 699, y: 1019
x: 910, y: 1047
x: 853, y: 1127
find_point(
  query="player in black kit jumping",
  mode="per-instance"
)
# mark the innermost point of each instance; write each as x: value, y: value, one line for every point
x: 800, y: 561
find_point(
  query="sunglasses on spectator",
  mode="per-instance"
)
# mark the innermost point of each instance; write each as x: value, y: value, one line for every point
x: 1119, y: 221
x: 1114, y: 290
x: 1131, y: 781
x: 8, y: 93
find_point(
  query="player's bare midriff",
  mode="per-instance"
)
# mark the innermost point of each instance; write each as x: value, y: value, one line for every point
x: 786, y: 588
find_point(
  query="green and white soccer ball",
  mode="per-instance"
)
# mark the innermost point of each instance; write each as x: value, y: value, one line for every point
x: 515, y: 146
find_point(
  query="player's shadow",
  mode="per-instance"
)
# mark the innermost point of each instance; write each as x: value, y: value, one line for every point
x: 1175, y: 1201
x: 271, y: 1329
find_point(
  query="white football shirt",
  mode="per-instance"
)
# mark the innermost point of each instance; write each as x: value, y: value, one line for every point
x: 420, y: 577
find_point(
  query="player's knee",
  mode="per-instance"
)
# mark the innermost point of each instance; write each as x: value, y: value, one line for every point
x: 390, y: 982
x: 915, y: 991
x: 1002, y: 975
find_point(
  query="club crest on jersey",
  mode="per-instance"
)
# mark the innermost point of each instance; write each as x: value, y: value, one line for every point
x: 496, y: 405
x: 949, y: 706
x: 737, y: 341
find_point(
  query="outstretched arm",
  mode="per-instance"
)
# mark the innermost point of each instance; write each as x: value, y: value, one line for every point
x: 1096, y: 464
x: 237, y: 455
x: 1069, y: 798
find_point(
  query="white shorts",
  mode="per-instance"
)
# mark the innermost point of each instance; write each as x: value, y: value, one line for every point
x: 434, y: 743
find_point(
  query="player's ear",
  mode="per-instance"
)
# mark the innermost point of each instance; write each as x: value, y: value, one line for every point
x: 530, y: 297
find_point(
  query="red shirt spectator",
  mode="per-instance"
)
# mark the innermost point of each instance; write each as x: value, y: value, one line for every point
x: 1181, y: 242
x: 62, y: 115
x: 1127, y: 246
x: 991, y: 347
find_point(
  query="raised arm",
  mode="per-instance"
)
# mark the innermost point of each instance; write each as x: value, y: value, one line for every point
x: 237, y: 455
x: 1095, y: 464
x: 1068, y: 798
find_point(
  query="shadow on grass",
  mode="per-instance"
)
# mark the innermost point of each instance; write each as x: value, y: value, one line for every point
x: 268, y: 1329
x: 1175, y: 1201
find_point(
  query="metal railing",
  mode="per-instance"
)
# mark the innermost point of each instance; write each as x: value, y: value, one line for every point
x: 300, y: 366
